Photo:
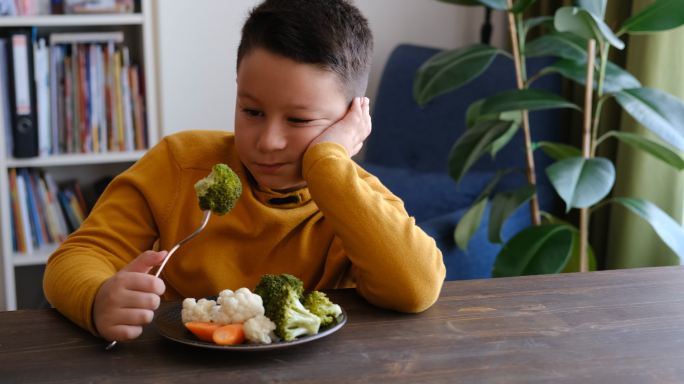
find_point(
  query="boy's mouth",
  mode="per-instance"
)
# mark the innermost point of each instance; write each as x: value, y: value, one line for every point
x: 268, y: 168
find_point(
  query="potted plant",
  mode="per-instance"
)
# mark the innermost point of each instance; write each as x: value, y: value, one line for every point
x: 581, y: 41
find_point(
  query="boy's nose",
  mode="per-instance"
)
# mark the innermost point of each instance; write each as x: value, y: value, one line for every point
x: 272, y: 138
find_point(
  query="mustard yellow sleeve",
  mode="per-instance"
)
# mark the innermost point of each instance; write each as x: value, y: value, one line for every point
x: 395, y: 264
x: 120, y: 227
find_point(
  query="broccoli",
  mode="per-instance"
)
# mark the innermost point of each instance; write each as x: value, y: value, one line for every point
x: 320, y: 305
x: 219, y: 191
x: 281, y: 296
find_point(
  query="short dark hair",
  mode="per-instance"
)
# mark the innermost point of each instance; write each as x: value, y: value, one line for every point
x: 332, y: 34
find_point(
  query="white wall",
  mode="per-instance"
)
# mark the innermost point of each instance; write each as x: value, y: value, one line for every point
x: 198, y: 42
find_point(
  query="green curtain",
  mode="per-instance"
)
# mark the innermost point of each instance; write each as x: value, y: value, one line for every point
x: 657, y: 60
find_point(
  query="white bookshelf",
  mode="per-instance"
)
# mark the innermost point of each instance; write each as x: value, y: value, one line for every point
x: 138, y: 28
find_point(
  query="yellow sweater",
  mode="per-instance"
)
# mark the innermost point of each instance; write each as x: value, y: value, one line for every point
x: 345, y: 230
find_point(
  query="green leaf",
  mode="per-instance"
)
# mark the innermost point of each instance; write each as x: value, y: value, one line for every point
x: 596, y: 7
x: 524, y: 99
x: 661, y: 15
x: 496, y: 4
x: 669, y: 231
x: 660, y: 112
x: 585, y: 24
x: 653, y: 147
x: 449, y: 70
x: 616, y: 78
x: 582, y: 182
x: 474, y: 143
x: 573, y: 264
x: 546, y: 21
x: 535, y: 250
x: 560, y: 44
x: 469, y: 223
x: 504, y: 139
x: 559, y: 151
x: 503, y: 205
x: 474, y: 115
x: 487, y: 190
x: 521, y: 5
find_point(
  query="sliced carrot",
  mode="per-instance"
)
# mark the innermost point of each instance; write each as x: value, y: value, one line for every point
x: 230, y: 334
x: 203, y: 330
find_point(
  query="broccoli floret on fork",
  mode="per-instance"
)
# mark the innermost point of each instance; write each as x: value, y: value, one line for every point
x: 219, y: 191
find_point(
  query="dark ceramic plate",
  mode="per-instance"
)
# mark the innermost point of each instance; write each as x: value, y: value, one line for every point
x: 169, y: 324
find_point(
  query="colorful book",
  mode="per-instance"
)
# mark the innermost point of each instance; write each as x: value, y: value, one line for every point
x: 17, y: 215
x: 24, y: 212
x: 33, y: 213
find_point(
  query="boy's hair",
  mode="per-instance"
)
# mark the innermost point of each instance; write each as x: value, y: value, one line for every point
x: 332, y: 34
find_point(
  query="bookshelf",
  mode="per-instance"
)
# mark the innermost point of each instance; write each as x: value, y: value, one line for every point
x: 86, y: 168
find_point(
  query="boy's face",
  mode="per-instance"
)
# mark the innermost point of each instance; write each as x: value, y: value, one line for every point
x: 282, y: 105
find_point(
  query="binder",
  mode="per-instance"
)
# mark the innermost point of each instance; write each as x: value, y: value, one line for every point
x: 23, y: 95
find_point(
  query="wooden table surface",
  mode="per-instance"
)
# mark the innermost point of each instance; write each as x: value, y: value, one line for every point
x: 601, y: 327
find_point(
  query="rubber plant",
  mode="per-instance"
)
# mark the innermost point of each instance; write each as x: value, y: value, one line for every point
x: 581, y: 40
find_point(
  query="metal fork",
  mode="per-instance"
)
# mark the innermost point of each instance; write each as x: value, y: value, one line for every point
x: 205, y: 220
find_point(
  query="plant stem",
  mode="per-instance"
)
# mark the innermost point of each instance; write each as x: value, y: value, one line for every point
x: 518, y: 59
x: 599, y: 93
x: 587, y: 149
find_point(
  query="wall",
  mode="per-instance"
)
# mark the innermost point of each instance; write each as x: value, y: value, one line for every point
x: 198, y: 42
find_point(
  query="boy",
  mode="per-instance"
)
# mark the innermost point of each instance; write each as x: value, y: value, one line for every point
x: 306, y: 208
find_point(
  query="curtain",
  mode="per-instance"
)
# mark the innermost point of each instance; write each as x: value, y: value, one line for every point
x: 657, y: 61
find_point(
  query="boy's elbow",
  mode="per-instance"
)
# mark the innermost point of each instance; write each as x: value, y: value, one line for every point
x: 419, y: 300
x: 414, y: 296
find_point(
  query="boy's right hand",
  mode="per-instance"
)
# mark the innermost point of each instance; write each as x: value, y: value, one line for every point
x: 127, y: 300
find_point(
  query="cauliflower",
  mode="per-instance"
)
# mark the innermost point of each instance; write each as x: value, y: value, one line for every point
x: 236, y: 307
x: 241, y: 306
x: 259, y: 330
x: 229, y: 308
x: 197, y: 310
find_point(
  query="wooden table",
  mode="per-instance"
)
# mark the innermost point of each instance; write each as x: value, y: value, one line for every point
x: 601, y: 327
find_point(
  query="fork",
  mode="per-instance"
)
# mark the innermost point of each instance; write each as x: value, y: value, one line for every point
x: 205, y: 220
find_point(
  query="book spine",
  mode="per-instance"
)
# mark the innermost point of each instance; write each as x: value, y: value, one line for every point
x: 23, y: 209
x: 18, y: 216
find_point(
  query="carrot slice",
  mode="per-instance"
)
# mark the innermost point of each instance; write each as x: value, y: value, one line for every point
x: 203, y: 330
x: 230, y: 334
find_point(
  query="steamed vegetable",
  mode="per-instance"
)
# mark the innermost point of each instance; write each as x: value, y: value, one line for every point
x: 219, y: 191
x: 320, y: 305
x: 281, y: 297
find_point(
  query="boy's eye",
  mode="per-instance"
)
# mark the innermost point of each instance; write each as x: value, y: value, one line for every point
x: 252, y: 112
x: 299, y: 121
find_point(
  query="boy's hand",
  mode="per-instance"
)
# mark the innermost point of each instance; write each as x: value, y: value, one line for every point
x: 127, y: 300
x: 352, y: 129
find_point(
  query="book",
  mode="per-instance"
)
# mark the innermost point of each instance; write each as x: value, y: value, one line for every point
x: 24, y: 213
x: 53, y: 193
x: 42, y: 83
x: 51, y: 220
x: 74, y: 187
x: 41, y: 208
x: 86, y: 37
x: 118, y: 104
x: 17, y: 214
x: 22, y: 95
x: 33, y: 213
x: 65, y: 204
x: 5, y: 112
x: 126, y: 100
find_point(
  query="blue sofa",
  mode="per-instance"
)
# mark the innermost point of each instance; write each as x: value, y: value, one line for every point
x: 409, y: 147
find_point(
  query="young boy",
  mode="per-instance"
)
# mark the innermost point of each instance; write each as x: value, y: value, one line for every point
x: 306, y: 208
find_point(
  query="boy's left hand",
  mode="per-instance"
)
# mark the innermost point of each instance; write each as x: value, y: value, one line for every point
x: 351, y: 130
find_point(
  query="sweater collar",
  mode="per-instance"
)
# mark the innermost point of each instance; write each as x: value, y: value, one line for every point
x: 277, y: 199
